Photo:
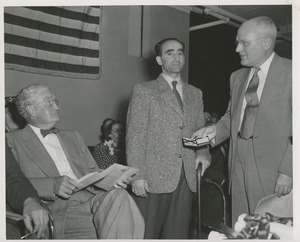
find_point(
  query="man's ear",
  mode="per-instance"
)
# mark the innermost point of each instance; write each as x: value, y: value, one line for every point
x: 267, y: 43
x: 158, y: 60
x: 30, y: 110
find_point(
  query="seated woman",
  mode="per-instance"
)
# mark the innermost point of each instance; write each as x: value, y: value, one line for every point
x: 113, y: 149
x: 104, y: 128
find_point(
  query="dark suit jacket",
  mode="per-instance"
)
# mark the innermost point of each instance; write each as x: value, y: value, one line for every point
x: 39, y: 167
x: 273, y: 124
x: 155, y: 128
x: 18, y: 187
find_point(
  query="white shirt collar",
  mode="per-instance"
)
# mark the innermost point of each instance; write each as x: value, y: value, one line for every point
x: 266, y: 65
x: 36, y: 130
x: 170, y: 79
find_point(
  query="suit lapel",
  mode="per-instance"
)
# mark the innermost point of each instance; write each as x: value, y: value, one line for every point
x: 187, y: 97
x: 275, y: 78
x: 237, y: 100
x: 39, y: 154
x: 68, y: 147
x: 168, y: 96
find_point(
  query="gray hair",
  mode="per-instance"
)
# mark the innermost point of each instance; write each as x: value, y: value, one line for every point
x: 24, y: 98
x: 265, y: 25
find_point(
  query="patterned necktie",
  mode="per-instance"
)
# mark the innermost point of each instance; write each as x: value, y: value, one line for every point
x: 174, y: 83
x: 247, y: 126
x: 45, y: 132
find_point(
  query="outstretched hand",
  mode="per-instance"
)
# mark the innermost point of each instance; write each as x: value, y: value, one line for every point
x: 204, y: 132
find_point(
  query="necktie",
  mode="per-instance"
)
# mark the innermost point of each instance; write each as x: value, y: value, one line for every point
x: 251, y: 107
x: 174, y: 83
x: 45, y: 132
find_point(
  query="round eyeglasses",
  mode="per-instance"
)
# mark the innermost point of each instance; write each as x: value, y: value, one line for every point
x: 50, y: 102
x: 246, y: 43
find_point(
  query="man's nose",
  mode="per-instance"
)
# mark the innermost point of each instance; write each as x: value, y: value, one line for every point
x: 55, y: 105
x: 239, y: 48
x: 175, y: 56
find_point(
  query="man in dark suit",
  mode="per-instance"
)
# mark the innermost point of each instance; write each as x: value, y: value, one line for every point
x: 161, y: 113
x: 22, y: 198
x: 54, y: 160
x: 258, y: 119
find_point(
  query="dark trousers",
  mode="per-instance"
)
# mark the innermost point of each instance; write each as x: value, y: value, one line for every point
x: 167, y: 215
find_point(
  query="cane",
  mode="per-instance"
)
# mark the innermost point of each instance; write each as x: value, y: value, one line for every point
x: 199, y: 171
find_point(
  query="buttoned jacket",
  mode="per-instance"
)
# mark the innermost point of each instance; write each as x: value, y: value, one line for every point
x: 155, y: 128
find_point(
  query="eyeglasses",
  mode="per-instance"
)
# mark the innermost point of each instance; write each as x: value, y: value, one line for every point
x: 246, y: 43
x: 50, y: 102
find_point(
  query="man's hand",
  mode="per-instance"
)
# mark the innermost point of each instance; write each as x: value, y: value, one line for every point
x: 283, y: 185
x: 64, y: 186
x: 33, y: 211
x: 206, y: 131
x: 140, y: 188
x: 204, y: 161
x: 123, y: 184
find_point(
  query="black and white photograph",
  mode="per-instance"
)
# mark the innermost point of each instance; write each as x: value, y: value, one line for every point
x: 149, y: 120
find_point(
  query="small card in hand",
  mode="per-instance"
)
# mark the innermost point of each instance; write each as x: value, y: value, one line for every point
x: 197, y: 142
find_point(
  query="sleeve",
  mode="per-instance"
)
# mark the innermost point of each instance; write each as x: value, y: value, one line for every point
x: 101, y: 156
x: 18, y: 187
x: 136, y: 134
x: 202, y: 151
x: 223, y: 125
x: 286, y: 166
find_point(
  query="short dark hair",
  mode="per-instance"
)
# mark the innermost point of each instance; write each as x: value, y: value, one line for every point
x: 158, y: 46
x: 107, y: 131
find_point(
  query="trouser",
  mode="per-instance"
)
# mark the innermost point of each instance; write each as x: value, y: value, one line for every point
x: 107, y: 215
x: 246, y: 185
x: 167, y: 215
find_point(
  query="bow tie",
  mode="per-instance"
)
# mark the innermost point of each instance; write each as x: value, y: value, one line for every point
x: 45, y: 132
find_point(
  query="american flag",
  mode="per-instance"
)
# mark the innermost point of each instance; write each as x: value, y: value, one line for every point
x: 59, y: 41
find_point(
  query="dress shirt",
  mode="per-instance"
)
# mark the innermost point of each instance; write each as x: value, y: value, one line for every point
x: 178, y: 86
x: 53, y: 146
x: 262, y: 75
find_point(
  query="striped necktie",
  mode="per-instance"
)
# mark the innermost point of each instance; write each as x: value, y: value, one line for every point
x: 247, y: 126
x: 174, y: 83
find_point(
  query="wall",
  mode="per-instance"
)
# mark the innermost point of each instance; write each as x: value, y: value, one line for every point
x: 85, y: 103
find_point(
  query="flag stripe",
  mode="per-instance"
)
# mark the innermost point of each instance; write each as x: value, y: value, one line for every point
x: 49, y: 56
x: 48, y: 37
x: 50, y: 28
x: 47, y: 18
x: 93, y: 10
x: 64, y: 13
x: 59, y: 41
x: 43, y: 45
x: 50, y: 65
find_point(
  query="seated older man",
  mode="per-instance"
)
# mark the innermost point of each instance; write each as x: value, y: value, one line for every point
x: 54, y: 161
